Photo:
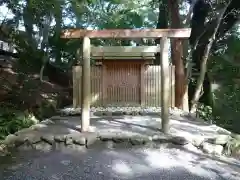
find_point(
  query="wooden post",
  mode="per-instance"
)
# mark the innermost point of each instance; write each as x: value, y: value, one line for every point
x: 164, y: 84
x: 86, y: 85
x: 142, y: 85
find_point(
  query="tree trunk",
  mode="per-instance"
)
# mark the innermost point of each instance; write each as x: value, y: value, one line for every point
x: 28, y: 24
x: 161, y: 24
x: 203, y: 68
x: 45, y: 44
x: 58, y: 19
x: 181, y: 95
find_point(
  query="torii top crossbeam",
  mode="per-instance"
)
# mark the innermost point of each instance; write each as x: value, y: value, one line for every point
x: 127, y: 33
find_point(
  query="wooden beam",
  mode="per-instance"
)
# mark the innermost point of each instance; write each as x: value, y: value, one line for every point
x: 123, y: 57
x: 122, y: 54
x: 86, y: 85
x: 165, y: 93
x: 125, y: 49
x: 127, y: 33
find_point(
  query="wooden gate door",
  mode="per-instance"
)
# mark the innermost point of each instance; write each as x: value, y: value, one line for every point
x: 123, y: 82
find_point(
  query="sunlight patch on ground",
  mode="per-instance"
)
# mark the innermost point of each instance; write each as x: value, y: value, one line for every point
x: 122, y: 167
x: 158, y: 160
x: 169, y: 159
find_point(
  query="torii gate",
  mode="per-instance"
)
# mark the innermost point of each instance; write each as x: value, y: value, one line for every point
x: 164, y: 34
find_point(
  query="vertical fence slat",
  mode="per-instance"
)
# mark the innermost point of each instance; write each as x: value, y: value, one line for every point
x: 173, y: 85
x: 75, y: 89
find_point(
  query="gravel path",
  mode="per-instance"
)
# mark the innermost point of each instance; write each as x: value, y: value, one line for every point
x: 109, y: 164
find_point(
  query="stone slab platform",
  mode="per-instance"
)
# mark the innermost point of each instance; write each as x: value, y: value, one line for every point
x: 62, y: 131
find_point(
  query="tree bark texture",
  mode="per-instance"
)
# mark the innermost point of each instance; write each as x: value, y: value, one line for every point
x: 181, y: 96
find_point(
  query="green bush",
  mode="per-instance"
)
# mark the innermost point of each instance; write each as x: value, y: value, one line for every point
x: 12, y: 121
x: 205, y: 112
x: 46, y: 109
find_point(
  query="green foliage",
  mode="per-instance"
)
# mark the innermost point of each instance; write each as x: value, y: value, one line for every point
x: 46, y: 109
x: 12, y: 121
x: 205, y: 112
x: 225, y: 71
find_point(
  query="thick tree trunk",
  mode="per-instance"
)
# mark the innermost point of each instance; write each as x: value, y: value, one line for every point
x: 162, y: 23
x: 58, y: 19
x: 203, y: 65
x: 181, y: 95
x: 45, y: 44
x: 28, y: 24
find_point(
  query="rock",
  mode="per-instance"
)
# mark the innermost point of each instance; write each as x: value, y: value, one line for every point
x: 48, y: 139
x: 160, y: 138
x: 232, y: 147
x: 138, y: 140
x: 117, y: 113
x: 13, y: 140
x: 236, y: 136
x: 38, y: 126
x: 91, y: 138
x: 212, y: 148
x: 79, y: 140
x: 114, y: 136
x: 107, y: 113
x: 24, y: 131
x: 134, y: 113
x: 43, y: 146
x: 98, y: 113
x: 127, y: 112
x: 69, y: 140
x: 190, y: 147
x: 75, y: 138
x: 107, y: 136
x: 118, y: 139
x: 60, y: 138
x: 197, y: 141
x: 221, y: 130
x: 221, y: 139
x: 27, y: 146
x: 35, y: 138
x: 10, y: 139
x: 142, y: 113
x: 178, y: 140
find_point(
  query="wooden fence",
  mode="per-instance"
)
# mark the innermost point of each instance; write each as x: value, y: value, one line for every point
x: 118, y: 87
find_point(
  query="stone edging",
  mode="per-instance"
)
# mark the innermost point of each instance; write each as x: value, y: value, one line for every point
x: 82, y: 139
x: 222, y: 144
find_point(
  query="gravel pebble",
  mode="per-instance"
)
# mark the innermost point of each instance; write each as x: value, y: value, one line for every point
x: 130, y: 110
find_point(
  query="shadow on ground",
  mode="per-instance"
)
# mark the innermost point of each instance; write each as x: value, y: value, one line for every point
x: 130, y: 163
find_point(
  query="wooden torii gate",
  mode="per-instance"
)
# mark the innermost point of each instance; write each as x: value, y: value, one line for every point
x: 164, y: 34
